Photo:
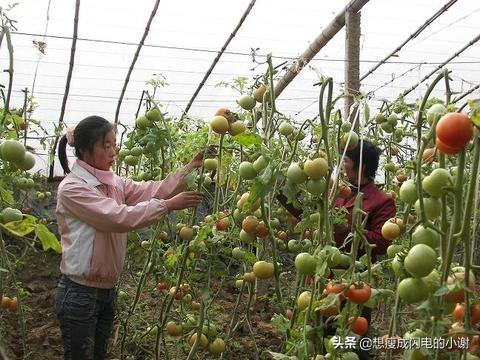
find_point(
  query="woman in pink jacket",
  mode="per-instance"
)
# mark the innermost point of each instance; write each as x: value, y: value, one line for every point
x: 95, y: 211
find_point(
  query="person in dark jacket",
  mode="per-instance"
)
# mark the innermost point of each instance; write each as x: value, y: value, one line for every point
x: 379, y: 206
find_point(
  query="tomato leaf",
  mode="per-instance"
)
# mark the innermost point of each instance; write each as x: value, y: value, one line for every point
x: 252, y: 259
x: 441, y: 291
x: 47, y: 238
x: 247, y: 139
x: 322, y: 269
x: 475, y: 111
x: 21, y: 228
x: 6, y: 196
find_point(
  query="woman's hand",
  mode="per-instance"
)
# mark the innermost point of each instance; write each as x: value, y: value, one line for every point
x: 184, y: 200
x: 197, y: 161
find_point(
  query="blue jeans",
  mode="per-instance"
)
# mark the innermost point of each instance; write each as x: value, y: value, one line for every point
x: 86, y: 319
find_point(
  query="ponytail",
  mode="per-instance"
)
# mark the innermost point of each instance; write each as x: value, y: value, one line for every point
x: 62, y: 154
x: 82, y: 138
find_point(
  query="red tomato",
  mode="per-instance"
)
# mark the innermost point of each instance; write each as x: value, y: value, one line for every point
x: 289, y: 314
x: 161, y: 286
x: 359, y: 293
x: 454, y: 130
x: 360, y: 325
x: 222, y: 224
x: 444, y: 148
x: 262, y: 231
x: 345, y: 190
x: 336, y: 288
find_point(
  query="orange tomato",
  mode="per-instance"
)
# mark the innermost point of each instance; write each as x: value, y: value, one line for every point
x: 428, y: 153
x: 249, y: 224
x: 459, y: 313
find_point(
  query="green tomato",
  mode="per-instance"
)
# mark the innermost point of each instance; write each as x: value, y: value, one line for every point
x: 435, y: 112
x: 420, y: 261
x: 238, y: 216
x: 380, y: 118
x: 142, y: 122
x: 426, y: 236
x: 260, y: 164
x: 392, y: 119
x: 136, y: 151
x: 246, y: 102
x: 246, y: 237
x: 434, y: 183
x: 293, y: 246
x: 123, y: 152
x: 13, y: 150
x: 8, y: 214
x: 387, y: 127
x: 433, y: 207
x: 238, y: 253
x: 295, y: 174
x: 432, y: 281
x: 303, y: 300
x: 390, y: 167
x: 397, y: 266
x: 305, y: 263
x: 27, y: 163
x: 306, y: 245
x: 131, y: 160
x: 393, y: 249
x: 353, y: 143
x: 285, y: 129
x: 247, y: 171
x: 316, y: 187
x: 154, y: 114
x: 408, y: 192
x: 210, y: 164
x: 412, y: 290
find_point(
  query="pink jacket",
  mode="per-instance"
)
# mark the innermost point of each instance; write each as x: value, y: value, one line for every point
x: 95, y: 210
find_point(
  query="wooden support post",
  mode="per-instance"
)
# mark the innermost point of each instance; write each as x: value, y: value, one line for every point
x: 352, y: 59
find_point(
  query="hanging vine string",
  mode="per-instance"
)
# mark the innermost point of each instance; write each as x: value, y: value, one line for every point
x: 473, y: 41
x: 411, y: 37
x: 217, y: 58
x: 468, y: 92
x: 67, y: 86
x: 41, y: 47
x: 135, y: 57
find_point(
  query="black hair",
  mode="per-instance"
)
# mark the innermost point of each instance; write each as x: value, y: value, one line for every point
x: 370, y: 158
x: 85, y: 135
